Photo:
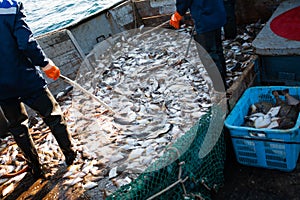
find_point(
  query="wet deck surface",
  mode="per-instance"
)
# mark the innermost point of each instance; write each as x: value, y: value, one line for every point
x: 51, y: 188
x: 253, y: 183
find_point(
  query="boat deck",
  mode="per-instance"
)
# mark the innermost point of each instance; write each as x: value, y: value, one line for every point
x: 250, y: 183
x: 241, y: 182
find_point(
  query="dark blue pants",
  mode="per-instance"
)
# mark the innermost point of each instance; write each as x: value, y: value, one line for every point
x: 46, y: 106
x: 211, y: 42
x: 230, y: 29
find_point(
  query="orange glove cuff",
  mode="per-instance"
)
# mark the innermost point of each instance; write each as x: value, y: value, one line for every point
x: 177, y: 16
x: 53, y: 72
x: 175, y: 20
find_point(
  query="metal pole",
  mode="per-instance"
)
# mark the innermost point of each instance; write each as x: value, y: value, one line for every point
x: 86, y: 92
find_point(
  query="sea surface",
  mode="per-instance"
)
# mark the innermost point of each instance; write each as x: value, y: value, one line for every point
x: 47, y: 15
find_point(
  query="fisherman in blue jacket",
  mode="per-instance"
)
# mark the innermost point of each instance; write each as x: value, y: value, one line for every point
x: 21, y: 82
x: 209, y: 16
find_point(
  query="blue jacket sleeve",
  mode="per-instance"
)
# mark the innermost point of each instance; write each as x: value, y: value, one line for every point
x: 182, y: 6
x: 26, y: 42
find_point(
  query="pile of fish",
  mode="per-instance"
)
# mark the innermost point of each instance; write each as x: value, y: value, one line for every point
x: 10, y: 164
x: 238, y: 52
x: 86, y: 170
x: 282, y: 114
x: 156, y: 99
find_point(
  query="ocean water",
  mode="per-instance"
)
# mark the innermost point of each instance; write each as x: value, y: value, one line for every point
x: 47, y: 15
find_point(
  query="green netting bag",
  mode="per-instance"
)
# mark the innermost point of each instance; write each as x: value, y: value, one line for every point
x: 180, y: 173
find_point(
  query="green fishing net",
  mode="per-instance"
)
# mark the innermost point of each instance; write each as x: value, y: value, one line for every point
x: 180, y: 173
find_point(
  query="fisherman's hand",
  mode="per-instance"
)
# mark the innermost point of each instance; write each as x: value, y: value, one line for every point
x: 51, y: 70
x: 175, y: 20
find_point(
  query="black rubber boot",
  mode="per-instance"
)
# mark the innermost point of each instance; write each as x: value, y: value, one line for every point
x: 15, y: 112
x: 48, y: 108
x: 26, y: 145
x: 3, y: 125
x: 65, y: 146
x: 70, y: 157
x: 37, y: 172
x: 62, y: 136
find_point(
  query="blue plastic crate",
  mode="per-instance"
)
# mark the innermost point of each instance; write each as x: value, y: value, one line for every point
x: 267, y: 148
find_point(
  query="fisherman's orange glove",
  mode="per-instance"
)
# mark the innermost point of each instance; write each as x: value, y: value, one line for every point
x: 51, y: 70
x: 175, y: 20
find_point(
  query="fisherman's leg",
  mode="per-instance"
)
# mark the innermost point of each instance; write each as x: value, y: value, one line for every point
x: 3, y: 125
x: 230, y: 30
x: 221, y: 63
x: 17, y: 117
x: 211, y: 55
x: 48, y: 108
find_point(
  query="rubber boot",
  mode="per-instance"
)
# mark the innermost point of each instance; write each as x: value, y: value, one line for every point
x: 3, y: 125
x: 17, y: 117
x: 25, y: 143
x: 48, y: 108
x: 65, y: 146
x: 62, y: 136
x: 63, y: 139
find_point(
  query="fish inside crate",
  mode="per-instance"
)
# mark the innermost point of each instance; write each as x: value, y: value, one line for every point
x: 263, y: 147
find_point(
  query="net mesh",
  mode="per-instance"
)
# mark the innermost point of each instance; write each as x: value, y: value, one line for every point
x: 181, y: 177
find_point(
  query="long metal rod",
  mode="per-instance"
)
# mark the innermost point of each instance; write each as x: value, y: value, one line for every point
x: 86, y: 92
x: 190, y: 41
